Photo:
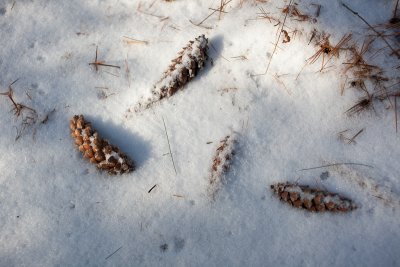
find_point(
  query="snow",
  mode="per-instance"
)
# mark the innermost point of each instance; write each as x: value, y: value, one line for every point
x: 57, y: 209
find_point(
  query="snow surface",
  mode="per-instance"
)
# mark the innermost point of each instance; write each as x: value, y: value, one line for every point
x: 57, y: 209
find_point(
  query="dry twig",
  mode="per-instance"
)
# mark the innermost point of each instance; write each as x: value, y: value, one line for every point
x: 130, y: 40
x: 29, y: 118
x: 139, y: 9
x: 154, y: 186
x: 109, y: 256
x: 336, y: 164
x: 97, y: 63
x: 328, y: 51
x: 169, y: 146
x: 277, y: 41
x: 220, y: 10
x: 352, y: 139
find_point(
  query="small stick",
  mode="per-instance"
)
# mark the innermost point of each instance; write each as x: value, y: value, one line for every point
x: 105, y: 65
x: 134, y: 41
x: 18, y: 107
x: 46, y: 119
x: 395, y: 111
x: 95, y: 60
x: 97, y: 63
x: 149, y: 14
x: 343, y: 87
x: 220, y: 10
x: 373, y: 29
x: 264, y: 15
x: 115, y: 75
x: 201, y: 26
x: 169, y: 146
x: 28, y: 95
x: 318, y: 11
x: 113, y: 253
x: 276, y: 77
x: 395, y: 9
x: 128, y: 72
x: 198, y: 24
x: 242, y: 57
x: 276, y: 44
x: 217, y: 10
x: 302, y: 68
x: 337, y: 164
x: 152, y: 4
x: 216, y: 51
x: 314, y: 32
x: 154, y: 186
x: 351, y: 140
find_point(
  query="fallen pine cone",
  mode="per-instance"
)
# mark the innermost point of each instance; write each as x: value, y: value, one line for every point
x: 221, y: 164
x: 97, y: 150
x: 184, y: 68
x: 316, y: 200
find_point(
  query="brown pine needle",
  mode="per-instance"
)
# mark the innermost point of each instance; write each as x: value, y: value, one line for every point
x: 328, y: 51
x: 395, y: 111
x: 97, y: 63
x: 220, y: 10
x: 154, y: 186
x: 169, y: 146
x: 150, y: 14
x: 373, y: 29
x: 361, y: 105
x: 276, y: 43
x: 100, y: 63
x: 352, y: 140
x: 337, y: 164
x: 217, y: 10
x: 18, y: 107
x: 128, y: 72
x: 109, y: 256
x: 276, y: 77
x: 113, y: 74
x: 265, y: 15
x: 242, y: 57
x: 134, y: 41
x: 395, y: 9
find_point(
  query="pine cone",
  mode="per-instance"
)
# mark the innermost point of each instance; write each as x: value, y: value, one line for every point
x: 184, y: 68
x: 316, y: 200
x: 221, y: 164
x: 97, y: 150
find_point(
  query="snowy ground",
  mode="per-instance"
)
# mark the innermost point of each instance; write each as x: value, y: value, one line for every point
x: 56, y: 209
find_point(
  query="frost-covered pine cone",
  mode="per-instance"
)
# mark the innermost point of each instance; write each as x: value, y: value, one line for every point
x: 97, y: 150
x: 184, y: 68
x: 221, y: 164
x: 311, y: 199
